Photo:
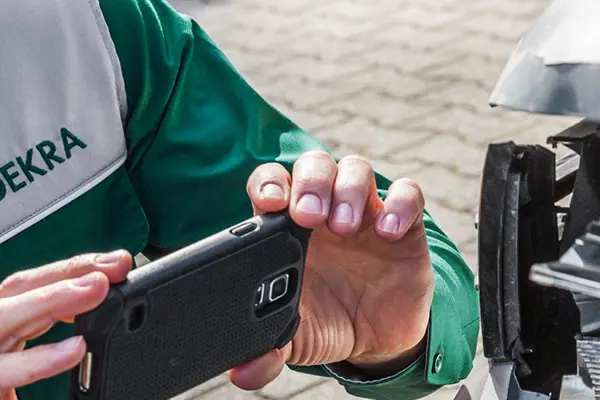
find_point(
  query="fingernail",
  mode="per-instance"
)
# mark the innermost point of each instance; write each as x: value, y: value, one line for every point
x: 109, y: 258
x: 390, y: 224
x: 343, y: 214
x: 69, y: 344
x: 85, y: 281
x: 271, y: 191
x: 310, y: 204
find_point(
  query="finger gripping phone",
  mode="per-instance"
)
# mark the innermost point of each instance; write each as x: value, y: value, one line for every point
x: 194, y: 314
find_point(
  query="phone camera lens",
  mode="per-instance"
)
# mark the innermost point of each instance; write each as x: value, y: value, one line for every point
x: 278, y: 288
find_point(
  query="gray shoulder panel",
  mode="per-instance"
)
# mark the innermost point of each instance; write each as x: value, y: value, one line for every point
x: 62, y: 108
x: 114, y: 58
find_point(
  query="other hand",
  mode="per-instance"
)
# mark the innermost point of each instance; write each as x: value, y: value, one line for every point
x: 32, y: 301
x: 368, y: 283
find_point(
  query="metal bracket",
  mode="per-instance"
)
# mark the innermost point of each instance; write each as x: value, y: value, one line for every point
x: 530, y: 325
x: 573, y: 136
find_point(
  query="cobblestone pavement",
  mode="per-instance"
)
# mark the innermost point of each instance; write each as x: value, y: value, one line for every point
x: 403, y: 82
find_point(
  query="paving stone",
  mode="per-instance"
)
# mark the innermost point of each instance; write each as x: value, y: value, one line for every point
x: 490, y: 48
x: 290, y: 383
x: 311, y: 122
x: 471, y: 246
x: 376, y: 141
x: 327, y: 391
x: 439, y: 4
x: 245, y: 63
x: 403, y: 36
x: 339, y: 149
x: 449, y: 151
x: 406, y: 59
x: 483, y: 72
x: 384, y: 79
x: 469, y: 126
x: 352, y: 11
x: 470, y: 259
x: 397, y: 170
x: 228, y: 392
x: 501, y: 9
x: 303, y: 95
x: 332, y: 27
x: 288, y: 8
x: 456, y: 224
x: 269, y: 20
x: 448, y: 189
x: 455, y: 94
x: 312, y: 70
x: 200, y: 391
x: 495, y: 26
x: 381, y: 110
x: 321, y: 47
x: 414, y: 13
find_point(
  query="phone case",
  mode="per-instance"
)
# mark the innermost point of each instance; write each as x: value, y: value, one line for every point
x: 192, y: 315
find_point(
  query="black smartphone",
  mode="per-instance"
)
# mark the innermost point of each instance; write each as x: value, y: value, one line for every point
x: 194, y: 314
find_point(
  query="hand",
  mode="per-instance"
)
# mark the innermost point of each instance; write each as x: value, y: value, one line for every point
x: 368, y: 283
x: 32, y: 301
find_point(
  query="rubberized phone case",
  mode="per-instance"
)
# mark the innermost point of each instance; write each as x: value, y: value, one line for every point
x: 192, y: 315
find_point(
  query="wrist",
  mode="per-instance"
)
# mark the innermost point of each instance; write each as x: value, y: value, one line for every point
x: 378, y: 367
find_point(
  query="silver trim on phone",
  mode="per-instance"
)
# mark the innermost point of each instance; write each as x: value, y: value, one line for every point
x: 261, y: 290
x: 85, y: 372
x: 286, y: 278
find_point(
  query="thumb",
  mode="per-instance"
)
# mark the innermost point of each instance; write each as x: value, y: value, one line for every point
x: 269, y: 188
x: 256, y: 374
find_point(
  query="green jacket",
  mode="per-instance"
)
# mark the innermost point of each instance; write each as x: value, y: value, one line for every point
x: 124, y: 126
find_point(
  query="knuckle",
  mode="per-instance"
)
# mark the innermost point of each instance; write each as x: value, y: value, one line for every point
x: 412, y: 183
x: 350, y: 187
x: 321, y: 154
x: 256, y: 173
x: 357, y: 160
x: 418, y: 203
x: 321, y: 157
x: 13, y: 282
x: 417, y: 200
x: 273, y: 172
x: 6, y: 384
x: 3, y: 310
x: 316, y: 182
x: 32, y: 373
x: 77, y: 262
x: 46, y: 296
x: 268, y: 168
x: 411, y: 194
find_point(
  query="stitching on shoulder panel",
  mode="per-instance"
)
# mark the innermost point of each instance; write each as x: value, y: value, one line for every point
x: 114, y: 58
x: 63, y: 196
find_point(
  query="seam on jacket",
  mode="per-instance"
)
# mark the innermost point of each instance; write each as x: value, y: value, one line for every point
x: 114, y: 58
x: 476, y: 320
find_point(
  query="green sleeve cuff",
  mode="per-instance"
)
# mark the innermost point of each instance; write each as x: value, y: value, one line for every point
x: 454, y: 325
x: 406, y: 385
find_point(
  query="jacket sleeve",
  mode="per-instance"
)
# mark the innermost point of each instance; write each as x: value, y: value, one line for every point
x: 196, y: 130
